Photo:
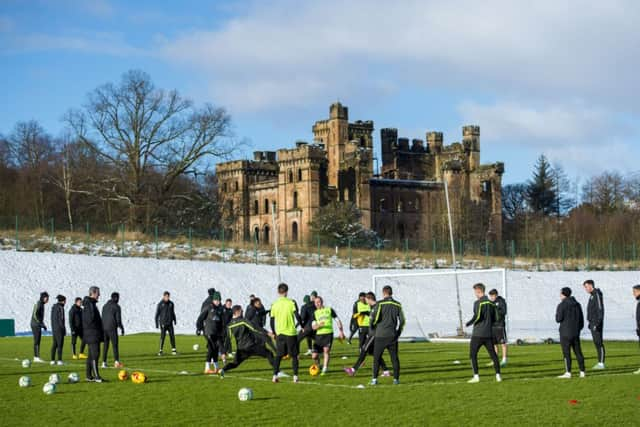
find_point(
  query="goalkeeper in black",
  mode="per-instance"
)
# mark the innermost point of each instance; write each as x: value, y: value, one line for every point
x: 245, y: 340
x: 484, y: 318
x: 387, y: 322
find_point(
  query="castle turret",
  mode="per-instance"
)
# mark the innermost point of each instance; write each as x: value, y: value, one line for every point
x: 471, y: 144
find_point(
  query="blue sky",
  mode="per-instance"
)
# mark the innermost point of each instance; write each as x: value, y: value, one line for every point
x: 553, y: 77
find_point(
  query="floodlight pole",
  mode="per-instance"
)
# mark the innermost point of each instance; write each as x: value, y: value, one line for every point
x: 275, y: 240
x: 453, y: 257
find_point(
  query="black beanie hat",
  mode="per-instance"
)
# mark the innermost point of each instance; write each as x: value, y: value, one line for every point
x: 61, y: 298
x: 211, y: 291
x: 566, y: 291
x: 43, y: 295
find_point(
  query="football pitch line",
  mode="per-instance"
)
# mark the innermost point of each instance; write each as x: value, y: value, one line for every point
x: 334, y: 385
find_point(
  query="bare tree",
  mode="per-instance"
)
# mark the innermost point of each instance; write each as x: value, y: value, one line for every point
x: 31, y: 150
x: 151, y: 137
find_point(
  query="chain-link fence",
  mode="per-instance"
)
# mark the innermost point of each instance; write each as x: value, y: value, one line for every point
x: 27, y: 234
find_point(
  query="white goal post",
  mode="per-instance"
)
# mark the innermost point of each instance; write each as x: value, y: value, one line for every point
x: 436, y: 304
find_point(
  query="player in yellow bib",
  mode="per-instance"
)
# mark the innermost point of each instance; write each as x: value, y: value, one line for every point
x: 323, y: 325
x: 284, y: 318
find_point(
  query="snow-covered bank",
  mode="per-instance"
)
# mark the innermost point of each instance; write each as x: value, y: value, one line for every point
x: 532, y: 296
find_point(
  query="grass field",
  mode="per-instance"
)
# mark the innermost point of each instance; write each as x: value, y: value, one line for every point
x: 433, y: 390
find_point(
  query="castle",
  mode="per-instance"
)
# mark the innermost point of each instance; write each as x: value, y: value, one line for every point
x: 404, y: 201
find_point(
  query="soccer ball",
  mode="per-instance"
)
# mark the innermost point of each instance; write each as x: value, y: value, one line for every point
x: 123, y: 375
x: 314, y: 370
x: 26, y: 363
x: 138, y: 378
x: 25, y: 381
x: 73, y: 378
x: 54, y: 378
x: 245, y: 394
x: 49, y: 388
x: 196, y: 347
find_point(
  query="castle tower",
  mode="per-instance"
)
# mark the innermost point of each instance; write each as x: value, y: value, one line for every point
x: 337, y: 137
x: 471, y: 144
x: 435, y: 141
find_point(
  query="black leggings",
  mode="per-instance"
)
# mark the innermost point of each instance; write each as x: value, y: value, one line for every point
x: 476, y: 344
x: 58, y: 343
x: 596, y: 333
x: 286, y: 345
x: 367, y: 349
x: 92, y: 361
x: 571, y: 343
x: 111, y: 337
x: 74, y: 340
x: 381, y: 344
x: 37, y: 336
x: 213, y: 348
x: 242, y: 355
x: 172, y: 337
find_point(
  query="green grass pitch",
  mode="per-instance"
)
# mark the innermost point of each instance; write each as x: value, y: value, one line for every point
x: 433, y: 389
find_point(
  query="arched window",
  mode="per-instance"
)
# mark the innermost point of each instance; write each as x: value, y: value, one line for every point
x: 295, y: 200
x: 256, y: 210
x: 224, y: 187
x: 294, y: 231
x: 236, y: 185
x: 290, y: 175
x: 256, y: 234
x: 265, y: 238
x: 299, y: 174
x: 266, y: 206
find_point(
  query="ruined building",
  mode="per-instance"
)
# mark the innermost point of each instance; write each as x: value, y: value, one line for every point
x: 404, y: 201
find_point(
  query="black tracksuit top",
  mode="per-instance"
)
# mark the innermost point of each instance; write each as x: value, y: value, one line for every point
x: 484, y: 318
x: 57, y: 319
x: 165, y: 313
x: 570, y: 317
x: 595, y: 308
x: 92, y: 331
x: 111, y: 316
x: 75, y: 319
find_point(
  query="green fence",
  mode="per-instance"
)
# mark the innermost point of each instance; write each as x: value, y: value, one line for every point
x: 26, y: 234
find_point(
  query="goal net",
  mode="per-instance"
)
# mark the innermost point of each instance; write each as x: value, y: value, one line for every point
x: 436, y: 303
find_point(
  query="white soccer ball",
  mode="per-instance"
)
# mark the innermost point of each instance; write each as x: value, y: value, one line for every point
x: 196, y: 347
x: 25, y: 381
x: 49, y: 388
x: 245, y: 394
x: 54, y: 378
x: 73, y: 377
x: 26, y: 363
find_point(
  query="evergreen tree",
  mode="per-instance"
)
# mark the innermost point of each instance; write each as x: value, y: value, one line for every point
x: 338, y: 223
x: 541, y: 189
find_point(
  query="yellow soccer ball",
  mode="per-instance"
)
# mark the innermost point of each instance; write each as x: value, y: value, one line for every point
x: 138, y: 378
x: 314, y: 370
x: 123, y: 375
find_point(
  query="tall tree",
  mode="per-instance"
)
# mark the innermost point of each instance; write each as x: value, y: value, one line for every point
x: 151, y: 138
x: 31, y: 150
x: 563, y: 191
x: 514, y: 201
x: 541, y: 194
x: 339, y: 222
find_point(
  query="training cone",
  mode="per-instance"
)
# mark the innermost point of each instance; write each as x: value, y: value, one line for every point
x: 573, y: 402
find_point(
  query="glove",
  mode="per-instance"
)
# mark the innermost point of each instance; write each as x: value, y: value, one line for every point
x: 122, y: 331
x: 638, y: 332
x: 175, y: 322
x: 157, y: 326
x: 198, y: 332
x: 44, y: 327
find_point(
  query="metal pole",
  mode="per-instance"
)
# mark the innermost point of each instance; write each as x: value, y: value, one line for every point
x: 155, y: 235
x: 275, y: 240
x: 453, y: 257
x: 17, y: 234
x: 53, y: 238
x: 122, y: 250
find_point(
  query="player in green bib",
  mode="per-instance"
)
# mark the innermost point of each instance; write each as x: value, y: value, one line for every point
x: 284, y: 318
x: 323, y: 325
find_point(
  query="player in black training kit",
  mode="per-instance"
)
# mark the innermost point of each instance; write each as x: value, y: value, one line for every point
x: 211, y: 323
x: 569, y: 316
x: 307, y: 313
x: 366, y: 347
x: 485, y: 315
x: 636, y: 295
x: 246, y: 340
x: 92, y: 332
x: 37, y: 325
x: 500, y: 327
x: 165, y: 320
x: 387, y: 323
x: 112, y: 321
x: 58, y: 329
x: 595, y: 317
x: 75, y: 324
